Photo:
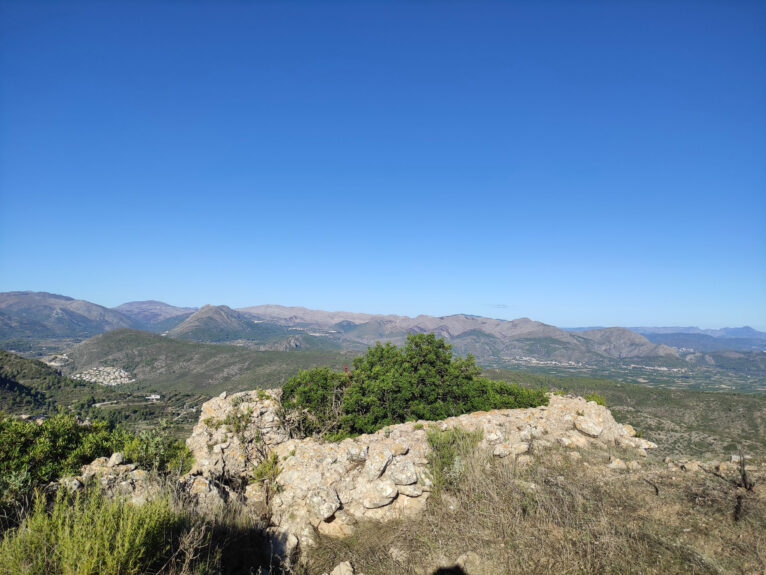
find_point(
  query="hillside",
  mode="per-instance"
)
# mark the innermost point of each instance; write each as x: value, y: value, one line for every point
x: 744, y: 332
x: 32, y: 387
x: 492, y: 341
x: 40, y: 314
x: 152, y: 315
x: 162, y: 363
x: 221, y: 323
x: 701, y: 342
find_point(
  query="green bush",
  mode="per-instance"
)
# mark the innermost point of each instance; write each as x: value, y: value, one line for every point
x: 389, y: 385
x: 58, y: 446
x: 599, y: 399
x: 33, y: 455
x: 313, y: 400
x: 155, y: 450
x: 61, y: 445
x: 90, y: 535
x: 423, y: 380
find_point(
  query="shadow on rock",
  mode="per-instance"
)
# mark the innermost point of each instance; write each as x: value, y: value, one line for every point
x: 456, y: 570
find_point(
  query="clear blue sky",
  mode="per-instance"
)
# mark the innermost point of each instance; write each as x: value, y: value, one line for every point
x: 580, y: 163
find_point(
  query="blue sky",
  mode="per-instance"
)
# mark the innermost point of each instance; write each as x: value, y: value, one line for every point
x: 580, y: 163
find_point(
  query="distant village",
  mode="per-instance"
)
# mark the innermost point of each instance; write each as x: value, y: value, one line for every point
x: 105, y: 376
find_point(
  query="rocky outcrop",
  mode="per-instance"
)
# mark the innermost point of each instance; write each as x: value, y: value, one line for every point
x: 116, y: 478
x: 329, y: 487
x: 235, y: 433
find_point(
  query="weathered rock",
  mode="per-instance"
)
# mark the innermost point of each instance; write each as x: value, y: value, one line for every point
x: 504, y: 449
x: 284, y: 544
x: 402, y: 472
x: 323, y: 502
x: 587, y: 427
x: 399, y: 448
x: 116, y: 459
x: 122, y: 480
x: 358, y: 453
x: 380, y: 476
x: 208, y: 495
x: 493, y: 437
x: 410, y: 490
x: 376, y: 463
x: 379, y: 494
x: 617, y: 464
x: 340, y: 525
x: 573, y: 441
x: 692, y: 466
x: 222, y: 452
x: 71, y: 484
x: 257, y: 499
x: 635, y: 442
x: 344, y: 568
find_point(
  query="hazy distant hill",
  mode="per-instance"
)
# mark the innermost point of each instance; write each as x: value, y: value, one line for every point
x: 703, y: 342
x: 492, y: 341
x: 725, y: 332
x: 33, y: 322
x: 45, y: 315
x: 154, y: 315
x: 171, y: 364
x: 221, y: 323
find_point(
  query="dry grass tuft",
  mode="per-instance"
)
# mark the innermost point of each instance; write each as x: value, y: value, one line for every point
x: 562, y: 515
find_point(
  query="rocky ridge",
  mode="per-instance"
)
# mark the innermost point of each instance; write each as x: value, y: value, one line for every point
x: 314, y: 485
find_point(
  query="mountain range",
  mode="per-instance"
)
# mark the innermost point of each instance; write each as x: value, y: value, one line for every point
x: 41, y: 317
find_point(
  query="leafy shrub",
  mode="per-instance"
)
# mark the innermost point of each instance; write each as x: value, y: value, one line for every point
x: 33, y: 455
x: 313, y: 399
x: 423, y: 380
x: 443, y: 463
x: 58, y: 446
x: 390, y: 385
x: 90, y: 535
x: 599, y: 399
x: 156, y: 449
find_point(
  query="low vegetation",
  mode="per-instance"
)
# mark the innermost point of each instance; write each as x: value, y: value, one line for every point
x: 34, y: 454
x: 119, y: 537
x: 444, y: 463
x: 89, y: 534
x: 561, y: 514
x: 388, y: 385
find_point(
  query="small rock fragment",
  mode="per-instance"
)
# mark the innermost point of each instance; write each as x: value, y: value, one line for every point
x: 587, y: 426
x: 376, y: 463
x: 323, y: 502
x: 402, y: 472
x: 379, y: 494
x: 617, y: 464
x: 116, y: 459
x: 344, y: 568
